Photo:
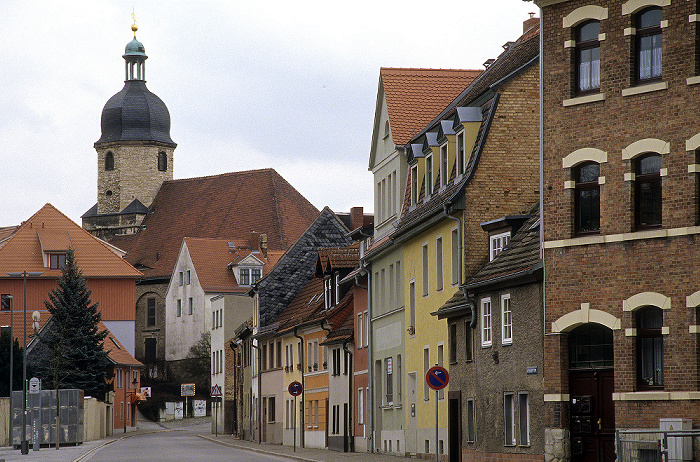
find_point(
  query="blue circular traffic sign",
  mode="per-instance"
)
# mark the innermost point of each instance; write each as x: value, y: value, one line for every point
x: 437, y: 377
x: 295, y: 388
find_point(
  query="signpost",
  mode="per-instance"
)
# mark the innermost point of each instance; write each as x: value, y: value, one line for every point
x: 437, y: 378
x: 186, y: 390
x: 35, y: 389
x: 295, y: 389
x: 215, y: 399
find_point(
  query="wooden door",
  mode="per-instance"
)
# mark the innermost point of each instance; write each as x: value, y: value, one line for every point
x: 592, y: 421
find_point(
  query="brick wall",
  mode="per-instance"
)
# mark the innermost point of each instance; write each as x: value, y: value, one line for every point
x: 605, y: 274
x: 507, y: 178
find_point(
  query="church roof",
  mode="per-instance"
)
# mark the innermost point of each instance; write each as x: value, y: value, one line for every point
x: 228, y: 206
x: 135, y: 114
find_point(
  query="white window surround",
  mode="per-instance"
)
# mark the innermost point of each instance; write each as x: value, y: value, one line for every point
x: 583, y: 99
x: 693, y: 143
x: 486, y: 322
x: 644, y: 146
x: 582, y: 155
x: 632, y: 6
x: 648, y: 88
x: 584, y: 13
x: 506, y: 320
x: 646, y: 299
x: 497, y: 243
x: 585, y: 315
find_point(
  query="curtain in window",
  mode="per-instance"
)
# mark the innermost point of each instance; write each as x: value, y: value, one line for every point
x: 589, y: 69
x: 650, y: 57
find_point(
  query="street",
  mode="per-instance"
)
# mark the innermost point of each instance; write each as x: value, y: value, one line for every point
x: 173, y: 445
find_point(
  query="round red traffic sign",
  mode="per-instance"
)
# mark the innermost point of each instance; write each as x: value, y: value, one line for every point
x: 437, y: 377
x: 295, y: 388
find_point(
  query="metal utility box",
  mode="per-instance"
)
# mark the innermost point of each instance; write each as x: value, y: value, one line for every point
x: 41, y: 417
x: 680, y: 448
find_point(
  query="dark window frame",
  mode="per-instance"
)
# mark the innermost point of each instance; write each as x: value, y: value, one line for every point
x: 581, y: 189
x: 649, y: 322
x: 150, y: 312
x: 109, y: 161
x: 643, y: 181
x: 57, y: 261
x: 162, y: 161
x: 583, y: 45
x: 642, y: 34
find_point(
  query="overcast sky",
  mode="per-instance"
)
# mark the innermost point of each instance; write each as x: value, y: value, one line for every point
x: 290, y: 85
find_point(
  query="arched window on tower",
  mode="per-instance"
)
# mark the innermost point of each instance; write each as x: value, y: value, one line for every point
x: 109, y: 161
x: 162, y: 161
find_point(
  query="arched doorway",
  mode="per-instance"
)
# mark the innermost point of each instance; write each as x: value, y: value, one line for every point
x: 591, y: 385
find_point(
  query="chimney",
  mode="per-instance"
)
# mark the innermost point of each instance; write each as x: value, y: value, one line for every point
x: 254, y: 242
x: 263, y: 244
x: 357, y: 218
x: 530, y: 23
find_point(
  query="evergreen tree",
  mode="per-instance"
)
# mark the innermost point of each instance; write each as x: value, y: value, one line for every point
x: 5, y: 364
x: 71, y: 353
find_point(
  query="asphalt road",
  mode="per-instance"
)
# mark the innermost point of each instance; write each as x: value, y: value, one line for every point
x: 173, y: 445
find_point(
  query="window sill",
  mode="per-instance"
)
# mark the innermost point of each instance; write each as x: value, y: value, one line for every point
x: 693, y: 80
x: 647, y: 88
x: 594, y: 98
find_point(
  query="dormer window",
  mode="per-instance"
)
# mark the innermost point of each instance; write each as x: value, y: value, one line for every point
x: 245, y: 277
x: 57, y: 261
x: 443, y: 165
x: 414, y: 185
x: 497, y: 243
x: 255, y: 274
x: 460, y: 153
x: 328, y: 291
x: 428, y: 175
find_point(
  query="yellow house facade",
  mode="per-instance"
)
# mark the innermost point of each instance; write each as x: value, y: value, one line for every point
x: 430, y: 233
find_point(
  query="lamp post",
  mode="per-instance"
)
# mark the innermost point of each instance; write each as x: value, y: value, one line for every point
x: 127, y: 394
x: 24, y: 275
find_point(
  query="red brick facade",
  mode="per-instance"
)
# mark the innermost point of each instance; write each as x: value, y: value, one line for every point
x: 590, y: 277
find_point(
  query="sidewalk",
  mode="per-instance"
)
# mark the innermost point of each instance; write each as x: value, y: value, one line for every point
x: 301, y: 454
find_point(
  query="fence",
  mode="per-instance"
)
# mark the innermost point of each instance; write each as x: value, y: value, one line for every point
x: 657, y: 445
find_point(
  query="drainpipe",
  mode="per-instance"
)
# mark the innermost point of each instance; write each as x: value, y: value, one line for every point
x: 351, y: 436
x: 303, y: 391
x: 259, y: 406
x: 370, y: 367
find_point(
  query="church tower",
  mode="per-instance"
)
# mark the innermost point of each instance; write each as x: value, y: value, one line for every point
x: 134, y: 153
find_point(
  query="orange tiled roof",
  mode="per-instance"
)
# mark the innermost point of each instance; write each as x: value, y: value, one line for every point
x: 211, y: 258
x: 227, y: 206
x: 115, y: 350
x: 415, y: 96
x: 50, y: 230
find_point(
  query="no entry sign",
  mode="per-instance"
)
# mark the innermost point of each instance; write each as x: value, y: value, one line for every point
x: 295, y: 388
x: 437, y: 378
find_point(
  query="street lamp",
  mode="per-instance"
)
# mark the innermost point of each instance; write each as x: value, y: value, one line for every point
x: 24, y: 275
x: 12, y: 363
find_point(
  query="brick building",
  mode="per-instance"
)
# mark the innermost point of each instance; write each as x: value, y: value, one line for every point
x: 619, y: 217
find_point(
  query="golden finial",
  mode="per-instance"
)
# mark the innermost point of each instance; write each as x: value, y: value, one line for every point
x: 134, y: 27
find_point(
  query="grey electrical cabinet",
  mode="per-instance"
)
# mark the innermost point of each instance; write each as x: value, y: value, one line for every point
x: 41, y: 417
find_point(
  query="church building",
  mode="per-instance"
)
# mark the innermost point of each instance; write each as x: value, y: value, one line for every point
x: 141, y: 209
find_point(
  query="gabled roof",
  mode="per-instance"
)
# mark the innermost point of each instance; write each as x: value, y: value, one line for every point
x: 211, y: 259
x: 49, y: 230
x: 413, y: 98
x: 297, y: 266
x: 227, y: 206
x: 520, y: 259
